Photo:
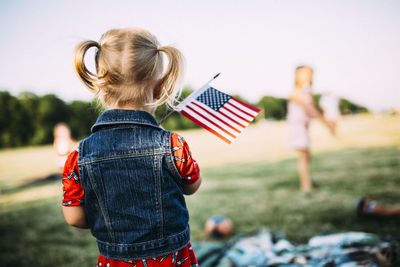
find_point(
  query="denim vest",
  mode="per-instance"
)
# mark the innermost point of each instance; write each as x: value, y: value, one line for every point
x: 133, y: 200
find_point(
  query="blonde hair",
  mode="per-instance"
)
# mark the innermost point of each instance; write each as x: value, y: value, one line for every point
x: 129, y: 66
x: 300, y: 68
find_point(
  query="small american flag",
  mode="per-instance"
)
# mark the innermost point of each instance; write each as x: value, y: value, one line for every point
x: 217, y: 112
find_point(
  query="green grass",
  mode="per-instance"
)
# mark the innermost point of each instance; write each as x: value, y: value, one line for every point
x: 254, y: 196
x: 267, y: 195
x: 36, y: 234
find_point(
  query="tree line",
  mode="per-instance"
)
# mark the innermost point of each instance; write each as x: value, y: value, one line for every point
x: 29, y: 119
x: 276, y: 108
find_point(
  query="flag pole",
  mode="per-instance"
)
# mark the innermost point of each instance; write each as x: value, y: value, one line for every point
x: 172, y: 111
x: 166, y: 116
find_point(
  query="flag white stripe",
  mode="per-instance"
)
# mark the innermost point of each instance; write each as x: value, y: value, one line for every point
x: 233, y: 116
x: 230, y: 122
x: 199, y: 118
x: 242, y: 107
x: 238, y: 111
x: 214, y: 120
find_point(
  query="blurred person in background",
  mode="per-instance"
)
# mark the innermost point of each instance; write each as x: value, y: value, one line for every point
x: 300, y: 112
x: 63, y: 143
x: 367, y: 207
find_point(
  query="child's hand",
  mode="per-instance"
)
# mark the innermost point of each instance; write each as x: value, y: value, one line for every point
x: 332, y: 127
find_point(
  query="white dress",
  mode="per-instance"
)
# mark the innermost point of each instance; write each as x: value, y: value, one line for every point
x: 298, y: 121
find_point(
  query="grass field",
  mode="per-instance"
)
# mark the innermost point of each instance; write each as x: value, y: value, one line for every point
x: 252, y: 181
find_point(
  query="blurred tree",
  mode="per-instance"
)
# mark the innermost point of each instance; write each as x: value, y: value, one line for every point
x: 15, y: 126
x: 348, y: 107
x: 316, y: 98
x: 176, y: 120
x: 29, y: 119
x: 29, y: 102
x: 50, y: 111
x: 82, y: 115
x: 5, y: 117
x: 274, y: 108
x: 345, y: 106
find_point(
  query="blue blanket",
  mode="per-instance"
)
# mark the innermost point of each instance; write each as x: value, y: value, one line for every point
x: 266, y: 248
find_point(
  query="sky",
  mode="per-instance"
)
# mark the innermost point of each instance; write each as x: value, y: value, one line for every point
x: 353, y: 46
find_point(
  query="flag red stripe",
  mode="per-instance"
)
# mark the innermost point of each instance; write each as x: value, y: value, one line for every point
x: 241, y: 110
x: 238, y: 123
x: 224, y: 122
x: 204, y: 126
x: 234, y: 112
x: 246, y: 105
x: 210, y: 121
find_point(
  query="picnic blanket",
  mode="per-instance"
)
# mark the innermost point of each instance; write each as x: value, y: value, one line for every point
x: 267, y: 248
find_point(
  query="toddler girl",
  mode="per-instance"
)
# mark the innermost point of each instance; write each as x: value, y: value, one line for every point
x: 63, y: 143
x: 300, y: 111
x: 127, y: 179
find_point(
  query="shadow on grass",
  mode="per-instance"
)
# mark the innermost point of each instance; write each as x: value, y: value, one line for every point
x: 49, y: 179
x: 35, y: 234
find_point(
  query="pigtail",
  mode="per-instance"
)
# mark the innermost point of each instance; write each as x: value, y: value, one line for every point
x: 172, y: 76
x: 88, y: 78
x: 129, y: 68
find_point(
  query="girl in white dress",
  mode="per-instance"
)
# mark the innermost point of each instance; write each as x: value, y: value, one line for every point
x: 300, y: 112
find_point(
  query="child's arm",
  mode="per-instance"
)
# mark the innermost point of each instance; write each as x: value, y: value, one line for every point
x: 309, y: 108
x: 73, y: 193
x: 190, y: 189
x: 75, y: 216
x: 186, y: 165
x: 312, y: 111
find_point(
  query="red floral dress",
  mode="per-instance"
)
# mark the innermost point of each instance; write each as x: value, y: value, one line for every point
x: 73, y: 195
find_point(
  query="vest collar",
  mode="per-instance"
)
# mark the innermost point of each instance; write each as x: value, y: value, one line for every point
x: 124, y: 116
